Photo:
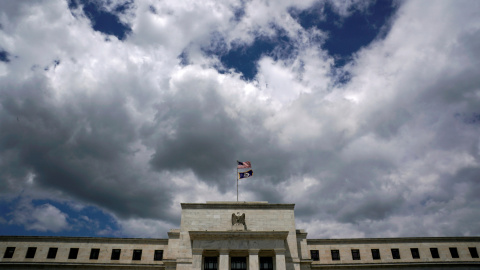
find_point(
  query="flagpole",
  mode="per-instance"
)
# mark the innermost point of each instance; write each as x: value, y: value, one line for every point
x: 236, y: 176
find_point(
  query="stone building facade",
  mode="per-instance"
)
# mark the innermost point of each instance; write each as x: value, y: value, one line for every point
x: 238, y: 236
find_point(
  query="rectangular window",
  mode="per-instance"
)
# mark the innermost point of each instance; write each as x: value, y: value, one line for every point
x: 73, y: 253
x: 473, y: 252
x: 31, y: 252
x: 266, y: 263
x: 415, y: 253
x: 115, y: 254
x: 434, y: 252
x: 314, y: 254
x: 158, y: 255
x: 376, y: 254
x: 9, y: 252
x: 355, y: 254
x: 335, y: 255
x: 94, y: 252
x: 454, y: 252
x: 395, y: 253
x: 238, y: 263
x: 137, y: 255
x: 52, y: 253
x: 210, y: 263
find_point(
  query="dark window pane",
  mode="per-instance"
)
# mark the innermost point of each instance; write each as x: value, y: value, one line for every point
x: 376, y: 254
x: 453, y: 252
x: 137, y: 255
x: 238, y: 263
x: 115, y: 254
x: 9, y: 252
x: 335, y: 255
x: 434, y: 252
x: 473, y: 252
x: 395, y: 253
x: 415, y: 253
x: 158, y: 255
x: 94, y: 253
x: 355, y: 254
x: 266, y: 263
x: 72, y: 255
x: 314, y: 254
x: 210, y: 263
x: 52, y: 253
x: 31, y: 252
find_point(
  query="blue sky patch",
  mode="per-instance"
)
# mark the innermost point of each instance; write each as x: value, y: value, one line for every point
x: 347, y: 35
x: 88, y: 221
x: 103, y: 21
x: 4, y: 56
x: 243, y: 58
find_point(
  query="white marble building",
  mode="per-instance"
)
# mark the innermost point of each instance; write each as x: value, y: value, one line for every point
x: 238, y: 236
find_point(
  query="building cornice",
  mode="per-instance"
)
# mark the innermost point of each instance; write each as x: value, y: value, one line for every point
x: 392, y: 240
x: 232, y: 235
x: 237, y: 205
x: 68, y: 239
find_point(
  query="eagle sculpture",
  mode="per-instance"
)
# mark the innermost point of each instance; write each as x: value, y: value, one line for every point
x: 240, y: 219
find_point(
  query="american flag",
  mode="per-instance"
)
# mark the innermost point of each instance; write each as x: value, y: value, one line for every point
x: 243, y: 165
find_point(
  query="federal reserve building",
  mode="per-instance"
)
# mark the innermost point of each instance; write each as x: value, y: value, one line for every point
x: 238, y: 236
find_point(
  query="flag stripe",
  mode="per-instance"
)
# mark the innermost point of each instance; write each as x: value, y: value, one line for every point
x: 243, y: 165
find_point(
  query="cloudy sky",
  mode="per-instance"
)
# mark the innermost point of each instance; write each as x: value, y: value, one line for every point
x: 365, y: 114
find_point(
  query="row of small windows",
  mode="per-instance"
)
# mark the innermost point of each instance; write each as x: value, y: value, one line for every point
x: 94, y: 253
x: 395, y: 253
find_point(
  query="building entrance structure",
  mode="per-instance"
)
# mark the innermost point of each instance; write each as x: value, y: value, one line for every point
x: 238, y: 236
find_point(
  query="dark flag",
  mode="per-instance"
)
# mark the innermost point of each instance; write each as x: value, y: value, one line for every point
x: 246, y: 174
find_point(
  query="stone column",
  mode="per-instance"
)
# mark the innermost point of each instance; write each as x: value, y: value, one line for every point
x: 253, y: 263
x: 280, y: 259
x: 197, y: 258
x: 223, y: 260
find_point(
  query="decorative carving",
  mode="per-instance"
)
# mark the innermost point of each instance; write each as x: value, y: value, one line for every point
x: 238, y: 222
x: 238, y: 219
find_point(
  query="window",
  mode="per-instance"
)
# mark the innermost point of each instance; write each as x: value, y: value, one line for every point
x: 72, y: 255
x: 209, y: 263
x: 454, y: 252
x: 115, y: 254
x: 31, y: 252
x: 266, y: 263
x: 158, y: 255
x: 434, y: 252
x: 52, y: 253
x: 415, y: 253
x: 314, y: 255
x: 376, y: 254
x: 335, y: 255
x: 238, y: 263
x: 94, y: 253
x: 9, y: 252
x: 355, y: 254
x: 395, y: 253
x: 137, y: 255
x: 473, y: 252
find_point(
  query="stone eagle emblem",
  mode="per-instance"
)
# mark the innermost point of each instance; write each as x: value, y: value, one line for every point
x: 240, y: 219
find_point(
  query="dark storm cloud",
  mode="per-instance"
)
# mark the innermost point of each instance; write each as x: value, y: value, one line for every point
x: 81, y: 147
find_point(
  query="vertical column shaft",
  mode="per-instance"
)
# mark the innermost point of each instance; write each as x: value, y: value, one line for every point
x: 253, y: 263
x: 280, y: 259
x: 197, y: 259
x: 223, y: 260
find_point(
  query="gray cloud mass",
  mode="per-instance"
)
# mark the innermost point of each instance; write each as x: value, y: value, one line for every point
x: 124, y: 126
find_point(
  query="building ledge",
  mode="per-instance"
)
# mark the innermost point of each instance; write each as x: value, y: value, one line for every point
x: 391, y: 240
x: 228, y: 235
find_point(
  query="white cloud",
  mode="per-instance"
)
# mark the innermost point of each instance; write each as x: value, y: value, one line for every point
x: 43, y: 218
x: 121, y: 125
